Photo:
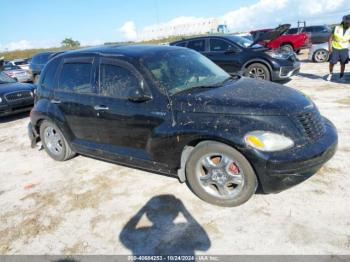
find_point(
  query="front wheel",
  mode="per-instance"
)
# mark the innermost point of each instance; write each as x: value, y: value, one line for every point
x: 321, y: 56
x: 55, y: 144
x: 220, y: 175
x: 287, y: 48
x: 258, y: 71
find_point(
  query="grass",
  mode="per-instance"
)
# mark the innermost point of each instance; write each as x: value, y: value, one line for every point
x: 10, y: 55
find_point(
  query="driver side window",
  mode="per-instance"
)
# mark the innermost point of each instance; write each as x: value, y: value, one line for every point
x: 117, y: 81
x: 217, y: 45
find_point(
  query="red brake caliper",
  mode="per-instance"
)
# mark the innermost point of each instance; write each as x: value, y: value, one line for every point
x: 234, y: 169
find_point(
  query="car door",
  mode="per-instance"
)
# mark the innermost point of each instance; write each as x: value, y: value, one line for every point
x: 127, y: 123
x: 224, y: 54
x: 75, y: 97
x: 320, y: 34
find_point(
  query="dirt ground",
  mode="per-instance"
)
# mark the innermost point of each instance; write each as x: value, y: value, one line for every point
x: 85, y: 206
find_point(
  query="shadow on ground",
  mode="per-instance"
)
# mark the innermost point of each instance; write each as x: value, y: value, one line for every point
x: 162, y: 235
x: 6, y: 119
x: 335, y: 78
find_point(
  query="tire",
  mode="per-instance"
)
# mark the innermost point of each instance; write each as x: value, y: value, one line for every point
x: 320, y: 56
x: 258, y: 71
x: 231, y: 181
x: 36, y: 79
x: 59, y: 149
x: 287, y: 48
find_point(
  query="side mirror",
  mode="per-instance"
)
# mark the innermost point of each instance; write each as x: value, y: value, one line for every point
x: 138, y: 96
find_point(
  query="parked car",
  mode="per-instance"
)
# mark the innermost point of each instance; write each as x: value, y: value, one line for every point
x: 15, y: 97
x: 319, y: 53
x: 17, y: 73
x: 22, y: 63
x: 38, y: 62
x: 318, y: 34
x: 237, y: 54
x: 171, y: 110
x: 288, y: 42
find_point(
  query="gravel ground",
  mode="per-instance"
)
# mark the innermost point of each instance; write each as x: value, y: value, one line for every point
x: 85, y: 206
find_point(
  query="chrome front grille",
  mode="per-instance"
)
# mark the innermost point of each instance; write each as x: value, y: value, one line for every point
x: 18, y: 95
x: 311, y: 124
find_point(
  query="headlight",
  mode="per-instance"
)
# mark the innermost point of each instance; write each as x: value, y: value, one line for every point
x: 0, y: 100
x: 268, y: 141
x: 278, y: 55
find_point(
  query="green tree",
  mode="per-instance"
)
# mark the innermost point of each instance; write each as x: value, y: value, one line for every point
x: 69, y: 42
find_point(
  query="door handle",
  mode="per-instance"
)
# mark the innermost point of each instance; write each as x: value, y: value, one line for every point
x: 100, y: 108
x: 55, y: 101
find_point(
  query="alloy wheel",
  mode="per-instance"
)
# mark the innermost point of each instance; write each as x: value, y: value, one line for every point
x: 257, y: 73
x: 321, y: 56
x: 53, y: 140
x: 220, y: 176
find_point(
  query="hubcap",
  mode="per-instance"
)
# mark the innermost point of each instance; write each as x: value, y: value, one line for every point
x: 53, y: 140
x: 220, y: 176
x: 321, y: 56
x: 257, y: 73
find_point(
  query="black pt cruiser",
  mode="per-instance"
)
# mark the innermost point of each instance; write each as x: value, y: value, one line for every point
x: 170, y: 110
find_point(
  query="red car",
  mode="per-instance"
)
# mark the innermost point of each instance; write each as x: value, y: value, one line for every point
x: 276, y: 38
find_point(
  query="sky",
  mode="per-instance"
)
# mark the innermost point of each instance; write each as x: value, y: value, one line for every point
x: 43, y: 23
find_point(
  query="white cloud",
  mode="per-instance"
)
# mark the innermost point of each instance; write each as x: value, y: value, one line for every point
x: 26, y: 44
x: 19, y: 45
x: 262, y: 14
x: 129, y: 30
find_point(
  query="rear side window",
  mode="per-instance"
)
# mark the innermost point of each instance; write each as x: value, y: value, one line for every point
x: 182, y: 44
x: 41, y: 59
x: 49, y: 75
x: 217, y: 45
x: 320, y: 29
x: 198, y: 45
x: 117, y: 81
x: 76, y: 77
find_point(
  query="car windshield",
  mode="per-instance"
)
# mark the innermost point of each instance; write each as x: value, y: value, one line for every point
x: 243, y: 41
x: 4, y: 79
x: 183, y: 70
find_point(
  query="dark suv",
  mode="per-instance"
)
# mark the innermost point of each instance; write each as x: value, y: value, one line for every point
x: 171, y: 110
x: 38, y: 62
x: 237, y: 54
x: 318, y: 33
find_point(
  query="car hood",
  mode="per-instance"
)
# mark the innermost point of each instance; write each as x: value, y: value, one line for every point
x: 272, y: 34
x: 245, y: 96
x: 13, y: 87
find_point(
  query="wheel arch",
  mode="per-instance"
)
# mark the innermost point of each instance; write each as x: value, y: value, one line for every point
x: 187, y: 149
x: 288, y: 43
x: 261, y: 61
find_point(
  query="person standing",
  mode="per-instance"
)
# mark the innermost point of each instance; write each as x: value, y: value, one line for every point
x: 339, y: 47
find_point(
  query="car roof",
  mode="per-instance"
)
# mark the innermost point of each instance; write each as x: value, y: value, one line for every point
x: 135, y: 51
x: 204, y: 36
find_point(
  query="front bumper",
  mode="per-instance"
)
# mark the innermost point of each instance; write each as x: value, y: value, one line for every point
x: 16, y: 108
x: 281, y: 170
x: 285, y: 72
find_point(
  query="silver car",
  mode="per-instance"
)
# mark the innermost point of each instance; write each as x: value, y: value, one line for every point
x: 18, y: 73
x: 22, y: 63
x: 319, y: 53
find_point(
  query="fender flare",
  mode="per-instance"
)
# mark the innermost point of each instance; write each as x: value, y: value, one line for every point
x: 257, y: 60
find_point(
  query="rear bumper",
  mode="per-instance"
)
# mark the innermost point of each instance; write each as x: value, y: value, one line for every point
x: 281, y: 170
